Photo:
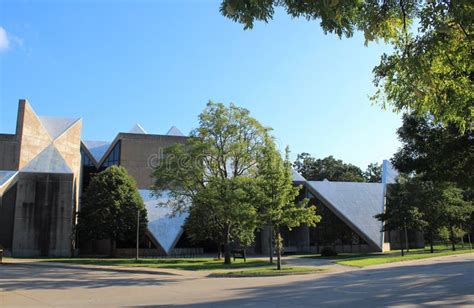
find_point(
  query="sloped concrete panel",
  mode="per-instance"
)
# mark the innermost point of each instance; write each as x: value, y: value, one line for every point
x: 137, y: 129
x: 6, y: 175
x: 358, y: 203
x: 174, y: 131
x: 48, y: 161
x: 164, y: 228
x: 97, y: 148
x: 297, y: 177
x: 69, y: 146
x: 56, y: 126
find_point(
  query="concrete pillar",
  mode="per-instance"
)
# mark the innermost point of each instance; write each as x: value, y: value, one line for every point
x: 303, y: 238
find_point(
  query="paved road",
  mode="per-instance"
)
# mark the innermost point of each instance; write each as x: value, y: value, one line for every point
x: 442, y: 281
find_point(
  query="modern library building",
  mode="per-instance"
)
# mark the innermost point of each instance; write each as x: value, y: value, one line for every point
x: 45, y: 167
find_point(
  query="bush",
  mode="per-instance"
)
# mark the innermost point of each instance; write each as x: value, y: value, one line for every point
x: 328, y: 252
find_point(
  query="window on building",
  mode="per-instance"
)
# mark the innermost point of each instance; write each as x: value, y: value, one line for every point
x: 86, y: 160
x: 113, y: 158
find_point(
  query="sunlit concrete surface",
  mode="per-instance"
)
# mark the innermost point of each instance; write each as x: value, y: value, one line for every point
x: 441, y: 281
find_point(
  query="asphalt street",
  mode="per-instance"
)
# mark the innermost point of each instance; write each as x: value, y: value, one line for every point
x: 442, y: 281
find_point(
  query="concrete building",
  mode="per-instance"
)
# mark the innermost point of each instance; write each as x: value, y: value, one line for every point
x: 39, y: 182
x: 45, y: 166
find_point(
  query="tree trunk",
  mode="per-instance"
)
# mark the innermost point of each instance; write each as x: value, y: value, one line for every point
x: 227, y: 259
x: 407, y: 244
x: 401, y: 242
x: 278, y: 244
x: 112, y: 248
x: 270, y: 245
x: 452, y: 239
x: 219, y: 252
x: 431, y: 242
x: 469, y: 239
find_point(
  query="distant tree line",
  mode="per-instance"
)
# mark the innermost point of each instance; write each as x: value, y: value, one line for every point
x: 332, y: 169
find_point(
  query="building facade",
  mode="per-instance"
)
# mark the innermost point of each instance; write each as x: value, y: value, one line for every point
x: 45, y: 166
x: 40, y: 169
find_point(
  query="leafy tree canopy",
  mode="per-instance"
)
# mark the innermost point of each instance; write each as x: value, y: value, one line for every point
x: 435, y: 152
x: 431, y: 67
x: 109, y: 207
x: 401, y: 210
x: 333, y: 169
x: 373, y: 173
x: 277, y: 196
x: 213, y: 172
x: 426, y: 206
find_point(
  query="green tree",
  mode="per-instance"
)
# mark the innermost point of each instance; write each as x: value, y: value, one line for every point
x: 214, y: 169
x: 373, y: 173
x: 278, y: 208
x: 109, y: 208
x: 232, y: 203
x: 456, y: 210
x: 439, y: 154
x: 431, y: 65
x: 428, y: 203
x: 435, y: 152
x: 401, y: 212
x: 327, y: 168
x: 203, y: 224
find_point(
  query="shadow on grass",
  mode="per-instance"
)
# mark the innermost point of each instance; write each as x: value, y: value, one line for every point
x: 181, y: 263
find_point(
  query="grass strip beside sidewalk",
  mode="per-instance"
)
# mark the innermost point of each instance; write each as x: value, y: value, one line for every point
x: 376, y: 259
x: 191, y: 264
x: 270, y: 271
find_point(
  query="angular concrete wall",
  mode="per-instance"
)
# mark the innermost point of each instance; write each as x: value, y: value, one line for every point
x: 69, y: 146
x: 44, y: 215
x: 7, y: 214
x: 9, y: 147
x: 33, y: 137
x: 139, y: 152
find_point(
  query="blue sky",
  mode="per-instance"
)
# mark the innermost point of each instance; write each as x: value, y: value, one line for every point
x: 158, y: 63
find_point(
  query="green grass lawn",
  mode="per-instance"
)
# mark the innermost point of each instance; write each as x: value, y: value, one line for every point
x: 193, y: 264
x: 366, y: 259
x: 396, y: 257
x: 269, y: 271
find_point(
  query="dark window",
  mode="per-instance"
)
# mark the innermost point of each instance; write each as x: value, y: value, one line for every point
x: 113, y: 158
x: 86, y: 160
x: 331, y: 230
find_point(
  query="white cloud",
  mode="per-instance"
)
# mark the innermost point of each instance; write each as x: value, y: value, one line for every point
x: 4, y: 42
